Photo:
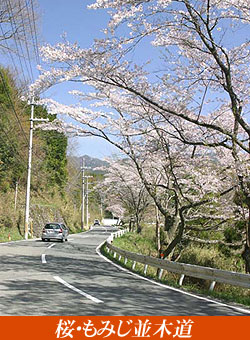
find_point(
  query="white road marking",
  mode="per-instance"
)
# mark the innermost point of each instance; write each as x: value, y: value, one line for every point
x: 52, y: 245
x: 77, y: 290
x: 242, y: 310
x: 43, y: 258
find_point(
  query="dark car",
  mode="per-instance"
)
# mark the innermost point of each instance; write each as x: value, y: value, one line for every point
x: 95, y: 224
x: 55, y: 231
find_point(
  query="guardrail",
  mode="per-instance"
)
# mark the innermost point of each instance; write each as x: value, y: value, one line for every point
x: 206, y: 273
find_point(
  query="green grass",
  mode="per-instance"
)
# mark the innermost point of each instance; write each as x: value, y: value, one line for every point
x: 139, y: 244
x: 9, y: 234
x: 132, y: 241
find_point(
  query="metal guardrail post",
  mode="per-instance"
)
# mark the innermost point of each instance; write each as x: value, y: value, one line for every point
x: 205, y: 273
x: 181, y: 279
x: 160, y: 274
x: 211, y: 288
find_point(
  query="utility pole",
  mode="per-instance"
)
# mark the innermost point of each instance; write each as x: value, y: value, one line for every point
x: 101, y: 207
x: 27, y: 205
x: 87, y: 199
x: 83, y: 168
x: 16, y: 191
x: 102, y: 198
x: 83, y: 196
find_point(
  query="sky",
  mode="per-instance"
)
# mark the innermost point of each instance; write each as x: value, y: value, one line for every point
x: 81, y: 25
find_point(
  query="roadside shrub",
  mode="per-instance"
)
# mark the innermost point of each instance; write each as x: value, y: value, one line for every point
x: 6, y: 221
x: 211, y: 257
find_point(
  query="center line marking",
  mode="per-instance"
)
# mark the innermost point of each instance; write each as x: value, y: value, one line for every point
x: 77, y: 290
x: 43, y: 258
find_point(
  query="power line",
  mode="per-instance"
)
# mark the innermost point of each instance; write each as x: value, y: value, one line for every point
x: 16, y: 38
x: 25, y: 40
x: 9, y: 53
x: 17, y: 49
x: 28, y: 8
x: 34, y: 30
x: 13, y: 147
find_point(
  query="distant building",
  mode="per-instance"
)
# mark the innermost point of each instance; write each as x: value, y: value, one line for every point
x: 110, y: 221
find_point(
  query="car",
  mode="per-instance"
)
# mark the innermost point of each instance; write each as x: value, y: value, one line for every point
x: 96, y: 223
x: 56, y: 231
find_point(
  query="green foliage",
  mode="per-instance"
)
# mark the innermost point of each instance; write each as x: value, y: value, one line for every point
x: 207, y: 256
x: 6, y: 221
x: 240, y: 199
x: 210, y: 257
x: 40, y: 111
x: 6, y: 88
x: 197, y: 255
x: 137, y: 243
x: 56, y: 159
x: 9, y: 234
x: 234, y: 233
x: 49, y: 159
x: 12, y: 164
x: 49, y: 148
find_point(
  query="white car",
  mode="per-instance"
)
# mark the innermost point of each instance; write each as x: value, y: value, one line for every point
x: 56, y: 231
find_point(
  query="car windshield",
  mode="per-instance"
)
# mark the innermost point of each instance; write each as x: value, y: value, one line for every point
x: 52, y: 226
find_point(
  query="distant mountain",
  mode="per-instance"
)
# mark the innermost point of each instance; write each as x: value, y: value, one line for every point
x: 89, y: 162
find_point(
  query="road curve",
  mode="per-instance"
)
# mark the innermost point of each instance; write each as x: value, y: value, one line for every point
x: 38, y: 278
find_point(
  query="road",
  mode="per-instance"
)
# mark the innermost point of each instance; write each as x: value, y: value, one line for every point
x: 71, y: 278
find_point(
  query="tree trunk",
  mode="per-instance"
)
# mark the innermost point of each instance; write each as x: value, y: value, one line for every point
x: 246, y: 257
x: 246, y: 252
x: 130, y: 226
x: 138, y: 226
x: 157, y: 232
x: 176, y: 239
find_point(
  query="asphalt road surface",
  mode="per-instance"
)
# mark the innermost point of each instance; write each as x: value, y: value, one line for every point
x: 71, y: 278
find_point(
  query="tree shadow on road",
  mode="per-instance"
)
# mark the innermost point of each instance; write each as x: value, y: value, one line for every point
x: 34, y: 291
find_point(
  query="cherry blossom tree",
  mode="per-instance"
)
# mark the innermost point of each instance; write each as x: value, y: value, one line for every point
x: 123, y: 186
x: 186, y: 190
x: 184, y: 125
